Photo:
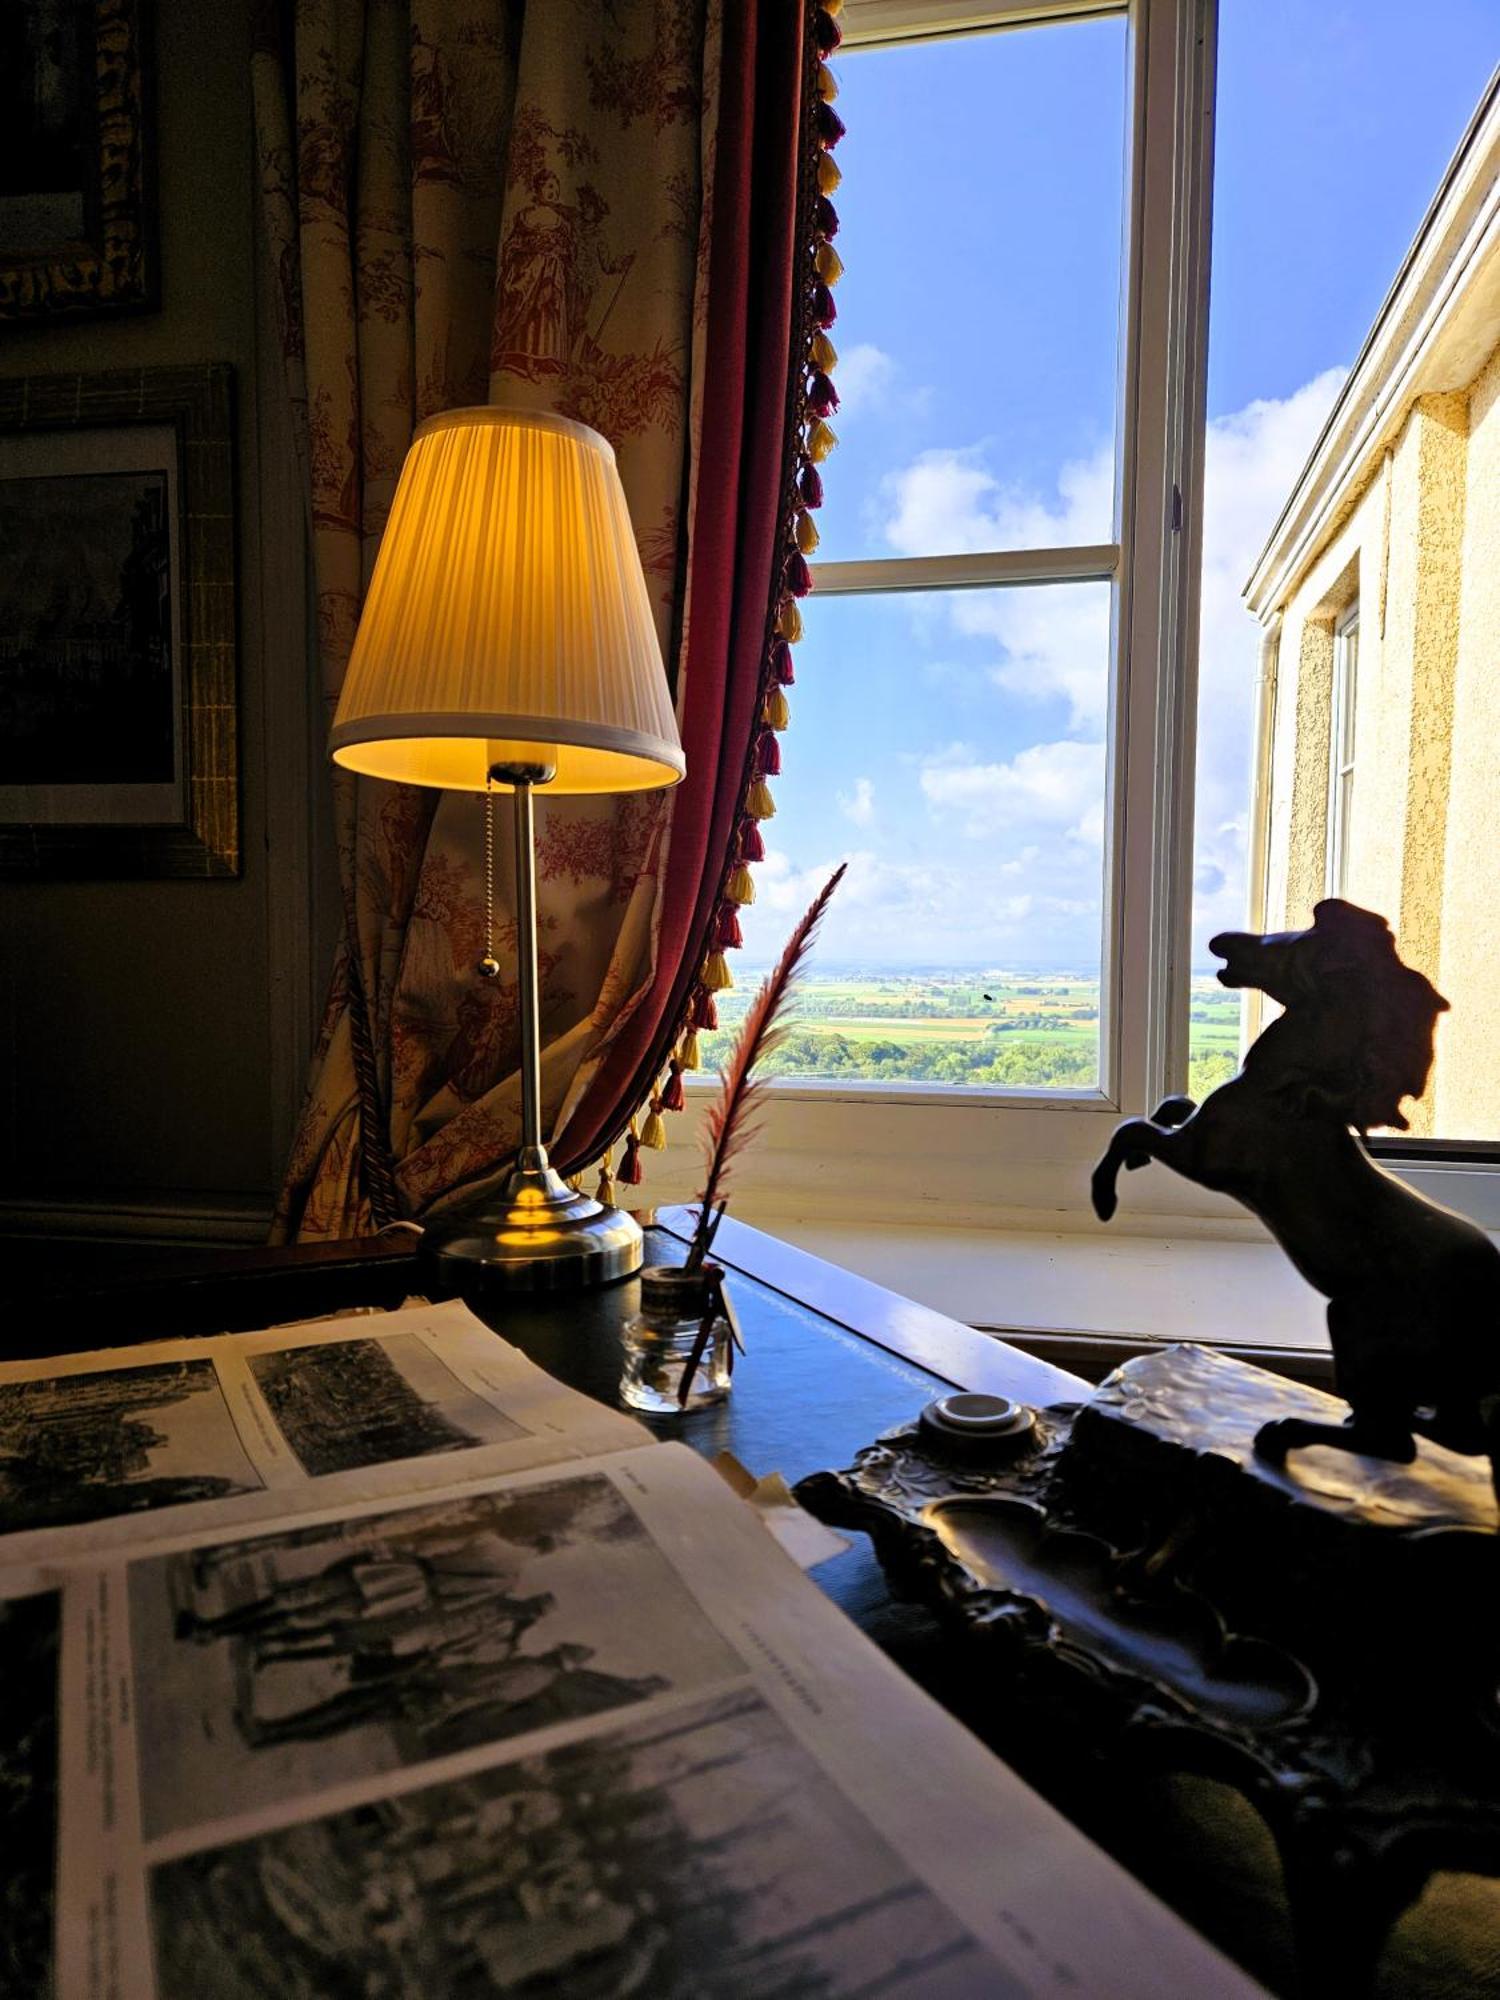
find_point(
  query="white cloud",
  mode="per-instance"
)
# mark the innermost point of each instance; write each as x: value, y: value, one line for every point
x: 858, y: 806
x: 947, y: 912
x: 863, y: 378
x: 1056, y: 787
x: 950, y: 503
x: 1052, y: 640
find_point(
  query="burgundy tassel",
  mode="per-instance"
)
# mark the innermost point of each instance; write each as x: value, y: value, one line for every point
x: 781, y: 664
x: 830, y: 125
x: 671, y: 1097
x: 798, y: 577
x: 630, y: 1166
x: 827, y: 32
x: 824, y: 311
x: 825, y: 217
x: 705, y: 1010
x: 822, y: 397
x: 728, y: 935
x: 810, y: 486
x: 752, y: 847
x: 768, y: 754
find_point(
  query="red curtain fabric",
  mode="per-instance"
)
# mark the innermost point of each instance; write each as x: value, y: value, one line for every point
x: 747, y: 449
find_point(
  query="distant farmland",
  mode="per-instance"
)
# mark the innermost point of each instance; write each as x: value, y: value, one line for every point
x: 1003, y: 1030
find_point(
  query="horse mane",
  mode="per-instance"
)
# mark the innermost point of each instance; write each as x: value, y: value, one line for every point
x: 1382, y: 1013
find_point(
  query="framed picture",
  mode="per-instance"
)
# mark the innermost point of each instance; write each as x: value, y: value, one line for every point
x: 118, y: 751
x: 76, y: 225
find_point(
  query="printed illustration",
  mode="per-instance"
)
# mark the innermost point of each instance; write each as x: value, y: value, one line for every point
x: 267, y: 1668
x: 30, y: 1629
x: 703, y: 1852
x: 118, y: 1441
x: 365, y: 1402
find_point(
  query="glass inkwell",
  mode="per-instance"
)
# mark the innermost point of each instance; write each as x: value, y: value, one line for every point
x: 678, y: 1347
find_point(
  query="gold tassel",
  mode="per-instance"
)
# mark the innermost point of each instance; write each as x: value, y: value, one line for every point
x: 634, y: 1127
x: 821, y: 439
x: 830, y: 174
x: 789, y: 621
x: 807, y: 533
x: 828, y: 264
x: 758, y: 801
x: 822, y: 353
x: 777, y: 714
x: 654, y: 1131
x: 575, y: 1182
x: 833, y: 8
x: 740, y: 888
x: 717, y: 977
x: 687, y: 1055
x: 605, y: 1191
x: 828, y: 83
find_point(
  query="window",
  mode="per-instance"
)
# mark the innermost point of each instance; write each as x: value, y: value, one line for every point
x: 1341, y: 751
x: 1079, y: 581
x: 1070, y: 600
x: 950, y: 726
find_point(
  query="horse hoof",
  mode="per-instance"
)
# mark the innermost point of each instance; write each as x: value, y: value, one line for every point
x: 1106, y: 1201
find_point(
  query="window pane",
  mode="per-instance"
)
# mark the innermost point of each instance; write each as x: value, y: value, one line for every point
x: 981, y: 225
x: 1334, y: 130
x: 949, y: 746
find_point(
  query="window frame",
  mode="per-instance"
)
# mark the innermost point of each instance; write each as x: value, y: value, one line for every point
x: 999, y: 1139
x: 1342, y: 724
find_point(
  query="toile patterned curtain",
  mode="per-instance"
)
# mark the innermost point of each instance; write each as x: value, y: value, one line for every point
x: 467, y: 199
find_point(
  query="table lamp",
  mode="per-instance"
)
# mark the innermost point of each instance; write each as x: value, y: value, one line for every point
x: 507, y: 643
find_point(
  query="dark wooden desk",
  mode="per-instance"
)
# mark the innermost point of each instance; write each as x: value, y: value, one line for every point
x: 832, y: 1362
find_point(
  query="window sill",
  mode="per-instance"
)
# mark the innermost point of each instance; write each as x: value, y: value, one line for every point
x: 1146, y: 1288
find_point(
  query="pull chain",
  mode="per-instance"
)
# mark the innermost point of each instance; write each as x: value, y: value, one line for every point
x: 489, y: 966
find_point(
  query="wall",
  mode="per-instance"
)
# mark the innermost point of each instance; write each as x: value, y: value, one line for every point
x: 1469, y: 1077
x: 155, y: 1033
x: 1418, y: 547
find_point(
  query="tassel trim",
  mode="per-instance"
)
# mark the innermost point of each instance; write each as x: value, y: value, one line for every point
x: 816, y: 400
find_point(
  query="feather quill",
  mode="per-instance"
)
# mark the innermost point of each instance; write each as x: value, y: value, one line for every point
x: 734, y: 1119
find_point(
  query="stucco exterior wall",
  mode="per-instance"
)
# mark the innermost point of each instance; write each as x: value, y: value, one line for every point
x: 1420, y: 549
x: 1468, y: 1070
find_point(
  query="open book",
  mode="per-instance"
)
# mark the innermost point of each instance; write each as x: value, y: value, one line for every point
x: 365, y: 1659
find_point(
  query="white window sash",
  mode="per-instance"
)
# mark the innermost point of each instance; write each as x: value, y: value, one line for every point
x: 959, y: 1154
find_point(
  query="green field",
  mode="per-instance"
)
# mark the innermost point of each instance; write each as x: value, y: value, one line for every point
x: 1004, y: 1030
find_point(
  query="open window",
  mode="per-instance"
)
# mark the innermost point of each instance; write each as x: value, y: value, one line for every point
x: 1047, y: 521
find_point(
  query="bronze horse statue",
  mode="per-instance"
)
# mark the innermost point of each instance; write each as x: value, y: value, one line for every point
x: 1413, y: 1290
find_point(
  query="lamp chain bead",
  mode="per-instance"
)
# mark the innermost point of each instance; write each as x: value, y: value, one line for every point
x: 489, y: 966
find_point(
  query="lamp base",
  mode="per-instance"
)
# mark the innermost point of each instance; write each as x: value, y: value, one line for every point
x: 539, y: 1236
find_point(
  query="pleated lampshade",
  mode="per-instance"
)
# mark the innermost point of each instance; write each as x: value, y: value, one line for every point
x: 507, y: 620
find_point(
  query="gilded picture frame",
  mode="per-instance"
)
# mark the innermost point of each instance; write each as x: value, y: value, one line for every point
x: 118, y: 615
x: 77, y: 193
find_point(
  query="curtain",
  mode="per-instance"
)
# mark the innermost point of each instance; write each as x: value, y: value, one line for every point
x: 593, y: 209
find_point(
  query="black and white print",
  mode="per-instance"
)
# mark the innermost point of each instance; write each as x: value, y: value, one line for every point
x: 699, y: 1853
x: 84, y: 1447
x: 348, y: 1403
x: 270, y: 1668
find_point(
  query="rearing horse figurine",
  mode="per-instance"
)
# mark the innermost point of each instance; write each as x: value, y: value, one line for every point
x: 1413, y: 1290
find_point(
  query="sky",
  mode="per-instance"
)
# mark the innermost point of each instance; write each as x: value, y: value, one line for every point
x: 950, y: 746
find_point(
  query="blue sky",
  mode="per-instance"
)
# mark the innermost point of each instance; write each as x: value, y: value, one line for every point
x: 951, y: 746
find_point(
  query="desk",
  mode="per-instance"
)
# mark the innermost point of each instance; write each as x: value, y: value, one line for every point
x: 832, y: 1361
